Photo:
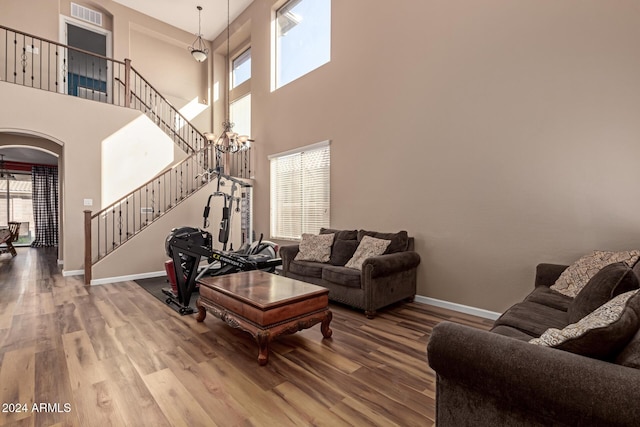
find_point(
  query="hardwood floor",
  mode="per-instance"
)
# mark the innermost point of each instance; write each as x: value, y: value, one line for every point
x: 113, y: 355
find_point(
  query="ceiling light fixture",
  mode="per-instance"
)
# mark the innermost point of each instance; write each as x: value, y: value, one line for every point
x: 198, y: 48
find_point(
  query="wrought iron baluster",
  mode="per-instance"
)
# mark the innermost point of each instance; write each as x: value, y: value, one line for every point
x: 120, y: 222
x: 127, y: 218
x: 57, y: 65
x: 23, y: 58
x: 113, y: 229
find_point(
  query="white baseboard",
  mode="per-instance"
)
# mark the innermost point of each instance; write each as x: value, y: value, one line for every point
x: 418, y: 298
x: 458, y: 307
x: 127, y: 278
x: 67, y: 273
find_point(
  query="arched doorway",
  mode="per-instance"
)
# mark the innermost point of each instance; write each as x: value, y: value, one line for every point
x: 25, y: 159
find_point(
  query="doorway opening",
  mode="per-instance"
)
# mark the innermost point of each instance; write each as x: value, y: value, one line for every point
x: 86, y: 76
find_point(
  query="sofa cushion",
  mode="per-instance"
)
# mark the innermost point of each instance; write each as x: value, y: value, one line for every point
x: 630, y: 355
x: 399, y: 240
x: 576, y: 276
x: 611, y: 281
x: 342, y: 276
x: 367, y: 248
x: 508, y: 331
x: 342, y: 251
x: 533, y: 318
x: 315, y: 247
x: 601, y: 334
x: 306, y: 268
x: 341, y: 234
x: 546, y: 296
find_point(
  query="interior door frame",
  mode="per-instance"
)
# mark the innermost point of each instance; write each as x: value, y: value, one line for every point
x: 67, y: 20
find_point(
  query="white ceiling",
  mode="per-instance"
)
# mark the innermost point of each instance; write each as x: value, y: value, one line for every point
x: 184, y: 14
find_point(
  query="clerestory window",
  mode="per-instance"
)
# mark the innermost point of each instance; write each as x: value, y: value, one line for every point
x: 303, y: 38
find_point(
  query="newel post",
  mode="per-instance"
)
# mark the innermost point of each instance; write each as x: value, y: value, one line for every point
x: 87, y: 247
x: 127, y: 82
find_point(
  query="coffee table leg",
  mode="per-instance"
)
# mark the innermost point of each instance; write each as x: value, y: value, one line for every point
x: 202, y: 312
x: 324, y: 326
x: 263, y: 345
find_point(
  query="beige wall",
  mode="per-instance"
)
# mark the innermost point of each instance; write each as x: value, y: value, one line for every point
x: 499, y: 133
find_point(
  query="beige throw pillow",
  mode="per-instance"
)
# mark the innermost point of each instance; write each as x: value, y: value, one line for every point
x: 315, y: 247
x: 368, y: 247
x: 601, y: 334
x: 578, y: 274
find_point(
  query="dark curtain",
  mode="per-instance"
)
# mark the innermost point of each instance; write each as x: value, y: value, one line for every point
x: 45, y: 205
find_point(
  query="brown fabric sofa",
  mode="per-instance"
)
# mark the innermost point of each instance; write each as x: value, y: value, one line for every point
x: 498, y: 378
x: 384, y: 279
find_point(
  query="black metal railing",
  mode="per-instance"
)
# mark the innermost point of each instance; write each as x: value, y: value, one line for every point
x: 117, y: 223
x: 44, y: 64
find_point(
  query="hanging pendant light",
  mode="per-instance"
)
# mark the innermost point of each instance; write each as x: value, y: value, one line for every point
x: 229, y: 141
x: 198, y: 48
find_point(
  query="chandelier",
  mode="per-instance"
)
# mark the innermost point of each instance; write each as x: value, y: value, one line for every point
x: 198, y: 48
x: 229, y: 141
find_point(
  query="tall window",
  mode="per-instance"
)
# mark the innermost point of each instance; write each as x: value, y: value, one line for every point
x: 240, y: 93
x: 303, y: 38
x: 240, y: 115
x: 300, y: 201
x: 241, y: 69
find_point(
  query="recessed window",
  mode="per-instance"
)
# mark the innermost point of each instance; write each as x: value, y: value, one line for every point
x: 300, y: 191
x: 240, y: 114
x: 303, y: 38
x: 241, y: 69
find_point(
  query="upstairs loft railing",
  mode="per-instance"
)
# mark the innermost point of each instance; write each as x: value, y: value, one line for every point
x: 39, y: 63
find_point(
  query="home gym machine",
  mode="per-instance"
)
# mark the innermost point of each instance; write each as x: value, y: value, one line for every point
x: 187, y: 246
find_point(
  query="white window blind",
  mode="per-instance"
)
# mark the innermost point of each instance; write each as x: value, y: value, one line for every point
x: 300, y: 191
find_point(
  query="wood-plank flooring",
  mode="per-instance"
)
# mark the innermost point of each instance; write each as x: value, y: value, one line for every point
x: 113, y: 355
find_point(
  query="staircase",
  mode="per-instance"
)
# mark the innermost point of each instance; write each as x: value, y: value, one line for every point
x: 43, y: 64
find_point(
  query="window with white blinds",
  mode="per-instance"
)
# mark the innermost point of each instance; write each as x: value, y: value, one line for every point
x: 300, y: 190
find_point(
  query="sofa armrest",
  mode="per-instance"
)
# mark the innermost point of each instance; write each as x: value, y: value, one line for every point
x: 288, y: 253
x: 535, y: 382
x: 384, y: 265
x: 547, y: 274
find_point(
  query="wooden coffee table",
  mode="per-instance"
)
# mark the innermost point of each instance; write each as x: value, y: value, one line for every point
x: 265, y: 305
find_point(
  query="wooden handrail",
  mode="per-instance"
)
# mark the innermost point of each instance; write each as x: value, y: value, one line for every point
x: 174, y: 167
x: 168, y: 103
x: 182, y: 140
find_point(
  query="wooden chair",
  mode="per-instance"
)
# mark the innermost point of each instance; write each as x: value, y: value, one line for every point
x: 7, y: 237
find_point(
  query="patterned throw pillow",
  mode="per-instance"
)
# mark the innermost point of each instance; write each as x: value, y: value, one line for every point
x: 315, y: 247
x: 578, y: 274
x: 368, y: 247
x: 601, y: 334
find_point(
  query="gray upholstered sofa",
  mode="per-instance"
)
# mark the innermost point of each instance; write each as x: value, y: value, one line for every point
x: 383, y: 280
x: 498, y: 378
